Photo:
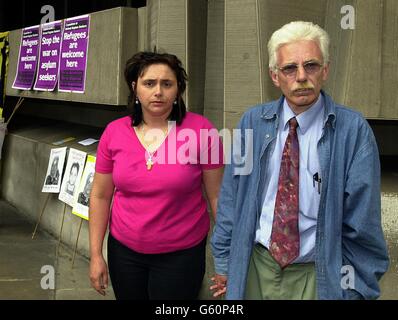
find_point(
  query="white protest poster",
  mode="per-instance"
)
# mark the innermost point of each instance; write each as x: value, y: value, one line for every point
x: 72, y: 177
x: 82, y: 196
x: 52, y: 181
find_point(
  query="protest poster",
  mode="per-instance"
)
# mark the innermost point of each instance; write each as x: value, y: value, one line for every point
x: 52, y: 182
x: 73, y: 60
x: 27, y: 58
x: 82, y: 196
x: 50, y: 45
x: 72, y: 177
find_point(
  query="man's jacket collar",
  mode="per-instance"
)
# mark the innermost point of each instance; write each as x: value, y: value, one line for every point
x: 273, y: 109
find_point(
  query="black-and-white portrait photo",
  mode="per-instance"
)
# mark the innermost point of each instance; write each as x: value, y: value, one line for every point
x: 53, y: 177
x: 84, y: 196
x: 81, y: 201
x: 71, y: 183
x: 73, y: 174
x: 52, y: 180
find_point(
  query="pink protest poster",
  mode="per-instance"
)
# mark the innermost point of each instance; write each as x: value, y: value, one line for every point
x: 73, y: 60
x: 50, y: 44
x: 27, y: 58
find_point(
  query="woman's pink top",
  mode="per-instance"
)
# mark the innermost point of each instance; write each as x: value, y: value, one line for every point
x: 162, y: 209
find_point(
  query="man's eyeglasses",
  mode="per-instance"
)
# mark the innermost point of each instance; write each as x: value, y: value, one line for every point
x: 311, y: 67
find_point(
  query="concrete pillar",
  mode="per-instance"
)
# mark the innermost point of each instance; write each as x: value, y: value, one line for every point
x: 248, y: 27
x: 364, y: 72
x: 357, y: 56
x: 179, y: 27
x: 243, y: 65
x: 142, y: 29
x: 389, y: 75
x: 273, y: 15
x: 214, y: 82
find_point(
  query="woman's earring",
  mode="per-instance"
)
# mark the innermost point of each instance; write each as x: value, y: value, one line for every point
x: 136, y: 101
x: 175, y: 102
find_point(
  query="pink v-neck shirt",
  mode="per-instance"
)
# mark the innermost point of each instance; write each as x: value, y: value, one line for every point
x: 163, y: 209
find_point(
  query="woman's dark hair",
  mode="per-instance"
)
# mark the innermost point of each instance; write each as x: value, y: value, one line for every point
x: 137, y: 65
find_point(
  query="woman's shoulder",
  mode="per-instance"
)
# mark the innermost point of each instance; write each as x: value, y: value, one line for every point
x: 194, y: 116
x: 193, y: 119
x: 119, y: 123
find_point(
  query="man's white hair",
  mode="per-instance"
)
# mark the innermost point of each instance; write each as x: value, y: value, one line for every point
x: 295, y: 31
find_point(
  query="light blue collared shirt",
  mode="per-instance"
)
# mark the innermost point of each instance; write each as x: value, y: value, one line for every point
x: 309, y: 131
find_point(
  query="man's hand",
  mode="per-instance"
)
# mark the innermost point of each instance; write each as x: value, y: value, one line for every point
x: 220, y: 285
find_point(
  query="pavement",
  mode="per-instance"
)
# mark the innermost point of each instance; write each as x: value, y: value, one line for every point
x: 34, y: 269
x: 43, y: 269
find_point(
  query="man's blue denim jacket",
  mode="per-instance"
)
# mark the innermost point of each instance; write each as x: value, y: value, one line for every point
x: 349, y: 231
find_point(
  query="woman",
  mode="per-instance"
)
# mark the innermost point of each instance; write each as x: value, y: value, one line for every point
x: 154, y: 163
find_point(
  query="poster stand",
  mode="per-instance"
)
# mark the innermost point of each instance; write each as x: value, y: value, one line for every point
x: 77, y: 239
x: 60, y: 231
x: 41, y: 214
x: 17, y: 105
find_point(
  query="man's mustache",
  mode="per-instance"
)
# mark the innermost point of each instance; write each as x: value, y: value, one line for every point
x: 303, y: 86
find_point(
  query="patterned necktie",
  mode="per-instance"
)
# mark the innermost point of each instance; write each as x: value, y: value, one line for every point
x: 285, y: 241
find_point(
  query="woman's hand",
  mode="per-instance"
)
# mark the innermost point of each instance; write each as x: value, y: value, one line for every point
x: 100, y: 202
x: 220, y: 285
x: 99, y: 274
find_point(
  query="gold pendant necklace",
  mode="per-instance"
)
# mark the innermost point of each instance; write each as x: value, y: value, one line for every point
x: 149, y: 161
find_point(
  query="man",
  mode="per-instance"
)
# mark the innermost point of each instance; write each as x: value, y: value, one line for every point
x: 305, y: 223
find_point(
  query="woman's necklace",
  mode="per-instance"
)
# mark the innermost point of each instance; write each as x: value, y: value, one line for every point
x: 149, y: 161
